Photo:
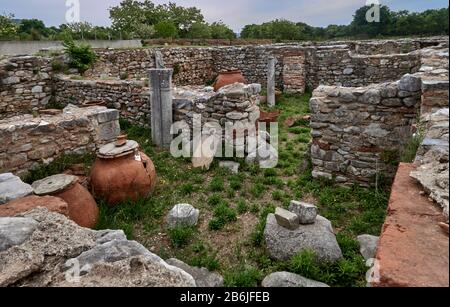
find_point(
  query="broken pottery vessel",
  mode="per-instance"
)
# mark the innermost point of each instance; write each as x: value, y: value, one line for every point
x: 122, y: 172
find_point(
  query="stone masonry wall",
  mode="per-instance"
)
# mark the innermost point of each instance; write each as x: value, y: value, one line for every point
x: 359, y: 132
x: 27, y: 141
x: 131, y: 98
x: 192, y: 66
x: 339, y: 66
x: 25, y: 84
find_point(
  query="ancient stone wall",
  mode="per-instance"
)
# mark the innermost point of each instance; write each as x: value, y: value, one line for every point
x: 131, y: 98
x: 192, y: 66
x: 359, y: 132
x: 25, y: 85
x: 339, y: 66
x: 27, y: 141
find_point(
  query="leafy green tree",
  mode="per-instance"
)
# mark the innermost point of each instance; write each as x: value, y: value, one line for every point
x: 199, y: 30
x: 7, y: 28
x: 31, y: 26
x: 144, y: 31
x: 361, y: 26
x: 166, y: 29
x: 219, y: 30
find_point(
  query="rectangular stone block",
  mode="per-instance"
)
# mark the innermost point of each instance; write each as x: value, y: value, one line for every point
x: 287, y: 219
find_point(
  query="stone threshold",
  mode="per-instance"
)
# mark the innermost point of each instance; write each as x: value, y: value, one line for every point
x: 413, y: 250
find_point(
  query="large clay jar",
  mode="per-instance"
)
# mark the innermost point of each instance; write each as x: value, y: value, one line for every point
x: 228, y: 77
x: 122, y: 173
x: 82, y: 207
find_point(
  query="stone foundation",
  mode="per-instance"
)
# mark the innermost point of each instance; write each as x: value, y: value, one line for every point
x: 28, y: 141
x: 359, y: 132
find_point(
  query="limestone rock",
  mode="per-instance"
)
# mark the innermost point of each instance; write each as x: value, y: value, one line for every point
x: 286, y: 219
x: 15, y: 230
x: 203, y: 278
x: 283, y: 244
x: 11, y: 188
x: 307, y: 213
x: 57, y: 247
x: 290, y: 280
x: 182, y: 215
x: 232, y: 166
x: 410, y: 83
x: 368, y: 246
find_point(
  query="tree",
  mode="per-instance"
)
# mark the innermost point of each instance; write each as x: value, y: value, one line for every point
x: 144, y: 31
x: 128, y: 14
x: 199, y: 30
x: 361, y: 26
x: 7, y: 28
x: 219, y: 30
x: 166, y: 29
x: 32, y: 25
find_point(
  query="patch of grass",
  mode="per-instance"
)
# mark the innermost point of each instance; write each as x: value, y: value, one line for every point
x: 408, y: 153
x: 257, y: 190
x: 277, y: 195
x: 58, y: 166
x: 187, y: 189
x: 235, y: 183
x: 216, y: 184
x: 223, y: 214
x: 203, y: 257
x: 242, y: 206
x: 215, y: 200
x: 257, y: 237
x: 303, y: 138
x: 243, y: 276
x: 180, y: 235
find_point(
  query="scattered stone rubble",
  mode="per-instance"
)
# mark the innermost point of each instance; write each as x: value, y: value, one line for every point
x: 285, y: 237
x: 44, y: 249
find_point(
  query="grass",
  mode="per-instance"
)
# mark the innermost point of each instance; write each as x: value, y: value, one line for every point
x: 234, y: 208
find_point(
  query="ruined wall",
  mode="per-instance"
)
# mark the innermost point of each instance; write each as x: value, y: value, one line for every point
x: 27, y: 141
x: 359, y: 132
x: 25, y: 85
x: 339, y: 66
x: 192, y: 66
x: 131, y: 98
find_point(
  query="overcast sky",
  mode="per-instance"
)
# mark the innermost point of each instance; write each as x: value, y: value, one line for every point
x: 235, y: 13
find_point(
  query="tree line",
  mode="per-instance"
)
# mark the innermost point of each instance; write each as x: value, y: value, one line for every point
x: 133, y: 19
x: 402, y: 23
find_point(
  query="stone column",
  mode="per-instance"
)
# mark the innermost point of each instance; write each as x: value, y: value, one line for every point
x: 271, y: 81
x: 161, y: 106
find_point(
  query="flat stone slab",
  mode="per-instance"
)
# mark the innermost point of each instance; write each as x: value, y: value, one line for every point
x: 112, y: 151
x: 413, y: 250
x: 53, y: 184
x: 12, y: 187
x: 286, y: 219
x: 290, y: 280
x: 283, y: 244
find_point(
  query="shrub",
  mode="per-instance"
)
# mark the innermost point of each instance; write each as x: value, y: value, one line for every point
x: 180, y: 236
x: 81, y: 55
